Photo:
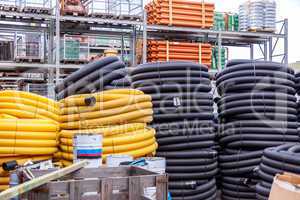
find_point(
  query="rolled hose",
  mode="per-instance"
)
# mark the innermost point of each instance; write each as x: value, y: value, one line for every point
x: 95, y: 81
x: 183, y: 120
x: 277, y: 160
x: 91, y: 67
x: 257, y: 110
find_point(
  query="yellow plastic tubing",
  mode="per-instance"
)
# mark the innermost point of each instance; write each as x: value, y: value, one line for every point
x: 123, y: 101
x: 42, y: 101
x: 79, y: 100
x: 135, y: 153
x: 121, y: 139
x: 105, y: 131
x: 106, y: 113
x: 29, y: 125
x: 115, y: 119
x: 37, y: 112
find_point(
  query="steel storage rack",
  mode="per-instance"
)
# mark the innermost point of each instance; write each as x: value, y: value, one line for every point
x: 53, y: 26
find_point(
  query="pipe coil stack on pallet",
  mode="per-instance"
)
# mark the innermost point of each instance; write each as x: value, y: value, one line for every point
x: 28, y: 130
x: 186, y: 13
x: 120, y: 115
x: 277, y: 160
x: 179, y: 51
x: 91, y: 78
x: 257, y: 110
x: 183, y: 120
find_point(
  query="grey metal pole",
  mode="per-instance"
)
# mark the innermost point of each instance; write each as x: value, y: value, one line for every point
x: 286, y: 41
x: 145, y: 37
x: 251, y: 51
x: 266, y: 51
x: 57, y: 33
x: 133, y: 46
x: 271, y: 49
x: 219, y: 51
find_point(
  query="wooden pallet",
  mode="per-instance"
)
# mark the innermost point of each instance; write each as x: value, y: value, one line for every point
x: 76, y: 62
x: 254, y: 30
x: 105, y: 183
x: 9, y: 8
x: 115, y: 17
x: 101, y: 15
x: 71, y: 13
x: 29, y: 60
x: 36, y: 10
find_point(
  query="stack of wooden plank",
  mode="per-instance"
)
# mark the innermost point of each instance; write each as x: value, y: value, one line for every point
x: 160, y: 50
x: 185, y: 13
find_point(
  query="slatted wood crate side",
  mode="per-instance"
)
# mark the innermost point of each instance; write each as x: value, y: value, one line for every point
x: 102, y: 184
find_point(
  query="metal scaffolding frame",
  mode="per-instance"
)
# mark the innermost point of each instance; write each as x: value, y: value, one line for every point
x: 54, y: 25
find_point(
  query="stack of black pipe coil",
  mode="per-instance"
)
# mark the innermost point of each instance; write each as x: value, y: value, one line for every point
x: 123, y: 82
x: 91, y: 78
x: 184, y: 123
x: 257, y: 110
x: 277, y: 160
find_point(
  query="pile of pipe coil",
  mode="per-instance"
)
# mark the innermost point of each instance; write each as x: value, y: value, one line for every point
x: 187, y: 13
x: 28, y: 130
x: 277, y: 160
x: 91, y: 78
x: 120, y: 115
x: 184, y: 124
x: 164, y: 50
x: 257, y: 110
x: 124, y: 82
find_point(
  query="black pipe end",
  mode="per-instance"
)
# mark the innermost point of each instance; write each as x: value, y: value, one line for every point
x: 90, y: 101
x: 11, y: 165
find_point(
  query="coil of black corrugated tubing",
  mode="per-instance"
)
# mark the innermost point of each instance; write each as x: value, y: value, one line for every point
x: 92, y: 77
x: 184, y: 123
x: 123, y: 82
x: 277, y: 160
x: 257, y: 110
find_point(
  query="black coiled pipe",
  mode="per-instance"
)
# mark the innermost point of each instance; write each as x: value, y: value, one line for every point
x: 257, y: 110
x: 277, y: 160
x: 184, y: 124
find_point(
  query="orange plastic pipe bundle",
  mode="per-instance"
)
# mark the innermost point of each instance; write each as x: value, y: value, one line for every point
x: 179, y: 51
x: 185, y: 13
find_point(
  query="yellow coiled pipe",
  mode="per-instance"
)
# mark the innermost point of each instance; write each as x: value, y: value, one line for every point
x: 116, y: 119
x: 119, y: 115
x: 99, y: 106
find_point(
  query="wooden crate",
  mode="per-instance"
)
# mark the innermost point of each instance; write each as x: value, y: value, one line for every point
x: 119, y: 183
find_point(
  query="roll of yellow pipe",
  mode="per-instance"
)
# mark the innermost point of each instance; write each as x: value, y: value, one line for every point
x: 4, y: 180
x: 28, y: 95
x: 27, y: 143
x: 23, y: 114
x: 34, y: 110
x: 134, y: 153
x: 34, y: 125
x: 101, y: 96
x: 106, y: 113
x: 116, y: 119
x: 28, y: 151
x: 128, y: 147
x: 105, y: 131
x: 30, y: 102
x: 28, y: 135
x: 137, y: 138
x: 6, y: 116
x: 4, y: 187
x: 146, y: 119
x: 106, y: 105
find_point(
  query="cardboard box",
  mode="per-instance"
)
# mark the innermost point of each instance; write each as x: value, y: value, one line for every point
x: 285, y: 187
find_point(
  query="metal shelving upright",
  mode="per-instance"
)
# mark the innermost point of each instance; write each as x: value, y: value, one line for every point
x: 53, y: 25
